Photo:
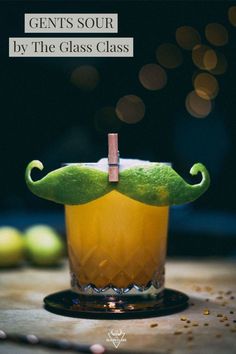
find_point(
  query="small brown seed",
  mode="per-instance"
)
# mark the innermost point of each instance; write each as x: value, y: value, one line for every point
x: 153, y: 325
x: 208, y: 288
x: 231, y: 312
x: 206, y: 324
x: 190, y: 338
x: 197, y: 288
x: 183, y: 318
x: 218, y: 335
x: 206, y: 312
x: 219, y: 315
x: 178, y: 332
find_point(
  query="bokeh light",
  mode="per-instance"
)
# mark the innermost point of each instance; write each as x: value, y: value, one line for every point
x: 216, y: 34
x: 106, y: 120
x: 206, y: 86
x: 187, y: 37
x: 209, y: 59
x: 206, y: 58
x: 201, y: 55
x: 221, y: 65
x: 169, y: 55
x: 130, y: 109
x: 152, y: 77
x: 85, y: 77
x: 197, y: 106
x: 232, y: 15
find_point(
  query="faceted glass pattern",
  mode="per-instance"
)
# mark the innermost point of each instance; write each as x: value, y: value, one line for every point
x: 115, y: 242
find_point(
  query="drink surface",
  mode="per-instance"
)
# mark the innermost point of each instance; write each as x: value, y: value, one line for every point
x: 115, y: 240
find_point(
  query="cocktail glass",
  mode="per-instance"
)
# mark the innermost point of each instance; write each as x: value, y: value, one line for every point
x: 117, y: 231
x: 117, y: 247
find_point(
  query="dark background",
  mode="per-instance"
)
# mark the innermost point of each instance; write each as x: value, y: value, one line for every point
x: 44, y: 116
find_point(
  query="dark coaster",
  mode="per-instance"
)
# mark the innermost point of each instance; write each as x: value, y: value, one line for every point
x: 69, y: 303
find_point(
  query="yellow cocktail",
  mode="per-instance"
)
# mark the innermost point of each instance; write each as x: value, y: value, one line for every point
x: 117, y: 220
x: 117, y: 242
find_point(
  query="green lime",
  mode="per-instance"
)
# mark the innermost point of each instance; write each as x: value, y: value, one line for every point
x: 11, y: 246
x: 155, y: 184
x: 43, y: 245
x: 75, y: 184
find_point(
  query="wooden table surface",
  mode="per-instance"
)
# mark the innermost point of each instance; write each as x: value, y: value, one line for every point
x: 211, y: 285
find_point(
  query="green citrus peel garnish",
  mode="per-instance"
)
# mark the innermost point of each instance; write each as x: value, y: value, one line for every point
x: 155, y: 184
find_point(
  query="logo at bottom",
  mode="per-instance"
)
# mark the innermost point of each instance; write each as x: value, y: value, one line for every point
x: 116, y: 336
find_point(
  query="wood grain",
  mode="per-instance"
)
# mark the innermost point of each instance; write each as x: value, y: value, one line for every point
x: 211, y: 285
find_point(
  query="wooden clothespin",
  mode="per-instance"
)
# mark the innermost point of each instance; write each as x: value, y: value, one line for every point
x: 113, y: 158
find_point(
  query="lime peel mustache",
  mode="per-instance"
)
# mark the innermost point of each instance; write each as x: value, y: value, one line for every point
x: 155, y: 184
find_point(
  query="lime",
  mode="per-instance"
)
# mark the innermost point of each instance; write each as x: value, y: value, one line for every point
x: 155, y: 184
x: 11, y: 246
x: 43, y: 245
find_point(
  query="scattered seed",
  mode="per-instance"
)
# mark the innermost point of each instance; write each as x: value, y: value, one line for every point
x: 188, y: 321
x: 206, y: 324
x: 190, y: 338
x: 197, y: 288
x: 206, y: 312
x: 231, y: 312
x: 234, y: 321
x: 208, y: 288
x: 186, y: 326
x: 218, y: 335
x: 219, y: 297
x: 153, y: 325
x: 178, y: 332
x: 233, y: 330
x: 183, y: 318
x: 228, y: 292
x: 227, y: 324
x: 220, y: 292
x: 222, y: 320
x: 219, y: 315
x: 207, y: 300
x: 225, y: 318
x: 195, y: 324
x: 232, y: 297
x: 192, y: 304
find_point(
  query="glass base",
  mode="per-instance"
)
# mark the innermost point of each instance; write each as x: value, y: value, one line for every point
x: 69, y: 303
x: 154, y: 286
